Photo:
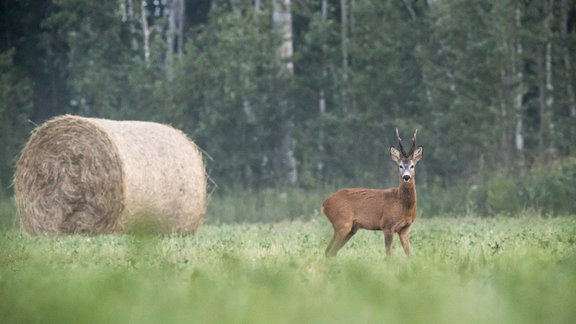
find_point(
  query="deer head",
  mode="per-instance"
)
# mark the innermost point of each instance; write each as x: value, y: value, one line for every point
x: 406, y: 161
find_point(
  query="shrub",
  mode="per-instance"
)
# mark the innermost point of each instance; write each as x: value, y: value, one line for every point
x: 548, y: 189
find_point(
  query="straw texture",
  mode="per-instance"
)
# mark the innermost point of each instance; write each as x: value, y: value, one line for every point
x: 88, y: 175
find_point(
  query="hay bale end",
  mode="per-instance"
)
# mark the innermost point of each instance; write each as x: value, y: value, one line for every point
x: 89, y: 175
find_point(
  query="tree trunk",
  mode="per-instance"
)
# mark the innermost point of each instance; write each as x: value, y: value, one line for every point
x: 566, y: 58
x: 513, y: 89
x: 344, y: 49
x: 504, y: 120
x: 322, y: 96
x: 181, y: 23
x: 170, y: 35
x: 145, y: 33
x: 546, y: 134
x: 128, y: 17
x: 282, y: 18
x: 285, y: 151
x: 410, y: 9
x: 287, y: 165
x: 174, y: 35
x: 519, y: 89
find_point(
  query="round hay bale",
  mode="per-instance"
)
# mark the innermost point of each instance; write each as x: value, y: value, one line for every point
x: 88, y: 175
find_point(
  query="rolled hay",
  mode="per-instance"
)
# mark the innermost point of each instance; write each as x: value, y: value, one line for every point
x: 88, y: 175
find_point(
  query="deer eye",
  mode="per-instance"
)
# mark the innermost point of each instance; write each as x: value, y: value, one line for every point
x: 412, y: 166
x: 401, y: 167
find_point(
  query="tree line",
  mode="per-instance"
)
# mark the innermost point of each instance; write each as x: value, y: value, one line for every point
x: 301, y: 92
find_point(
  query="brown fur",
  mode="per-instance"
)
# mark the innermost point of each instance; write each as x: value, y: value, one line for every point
x: 389, y: 210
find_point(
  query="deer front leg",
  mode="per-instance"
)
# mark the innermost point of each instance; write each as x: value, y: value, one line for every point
x: 404, y: 240
x: 388, y: 236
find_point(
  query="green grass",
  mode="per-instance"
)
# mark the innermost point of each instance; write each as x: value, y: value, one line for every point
x: 470, y: 270
x: 8, y: 219
x: 268, y: 205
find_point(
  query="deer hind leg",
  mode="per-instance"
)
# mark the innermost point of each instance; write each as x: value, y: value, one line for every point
x: 388, y: 236
x: 339, y: 239
x: 331, y: 244
x: 404, y: 240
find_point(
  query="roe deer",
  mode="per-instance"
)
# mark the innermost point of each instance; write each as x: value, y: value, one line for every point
x: 390, y: 210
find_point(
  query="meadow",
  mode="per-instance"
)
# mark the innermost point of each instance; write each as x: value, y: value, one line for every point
x: 464, y: 270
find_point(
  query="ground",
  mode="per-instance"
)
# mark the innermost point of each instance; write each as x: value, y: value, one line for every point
x: 464, y: 270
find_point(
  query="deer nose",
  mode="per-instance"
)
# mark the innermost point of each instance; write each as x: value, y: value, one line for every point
x: 406, y: 177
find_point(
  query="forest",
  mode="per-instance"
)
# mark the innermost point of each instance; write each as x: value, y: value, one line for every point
x: 307, y: 94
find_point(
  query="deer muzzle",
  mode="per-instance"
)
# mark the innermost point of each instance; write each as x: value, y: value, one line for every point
x: 406, y: 177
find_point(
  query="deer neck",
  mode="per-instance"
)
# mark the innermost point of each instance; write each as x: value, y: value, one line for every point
x: 407, y: 193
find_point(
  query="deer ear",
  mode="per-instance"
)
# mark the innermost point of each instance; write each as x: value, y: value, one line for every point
x: 418, y: 153
x: 395, y: 154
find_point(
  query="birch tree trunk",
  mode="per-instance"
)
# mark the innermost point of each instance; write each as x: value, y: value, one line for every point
x: 546, y: 134
x: 504, y: 120
x: 322, y: 95
x: 511, y: 97
x: 344, y: 49
x: 282, y: 21
x: 170, y: 35
x: 145, y: 33
x: 181, y: 23
x: 519, y: 88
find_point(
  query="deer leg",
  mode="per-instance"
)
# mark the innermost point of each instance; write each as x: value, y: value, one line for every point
x: 404, y: 240
x: 331, y: 244
x: 388, y: 236
x: 339, y: 240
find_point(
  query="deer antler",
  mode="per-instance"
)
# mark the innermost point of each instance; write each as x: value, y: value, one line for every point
x: 400, y: 144
x: 402, y: 147
x: 413, y: 143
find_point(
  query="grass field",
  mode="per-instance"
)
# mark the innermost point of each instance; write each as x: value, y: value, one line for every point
x: 468, y: 270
